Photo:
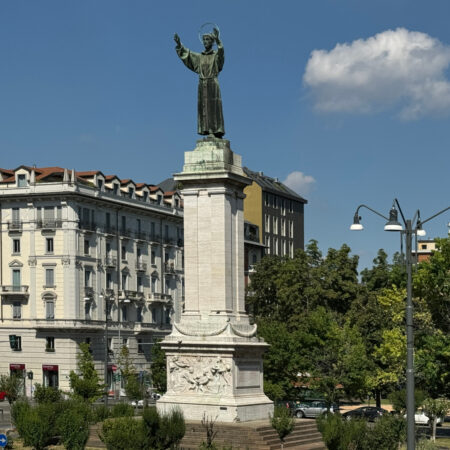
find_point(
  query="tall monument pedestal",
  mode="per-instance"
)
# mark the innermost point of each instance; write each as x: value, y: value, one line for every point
x: 214, y: 359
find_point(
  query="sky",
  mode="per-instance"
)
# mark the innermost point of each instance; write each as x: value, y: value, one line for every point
x: 347, y: 101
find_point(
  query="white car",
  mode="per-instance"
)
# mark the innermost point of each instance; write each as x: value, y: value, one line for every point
x: 139, y: 403
x: 422, y: 419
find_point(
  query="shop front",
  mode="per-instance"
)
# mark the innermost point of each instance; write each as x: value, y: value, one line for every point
x: 112, y: 369
x: 18, y: 370
x: 50, y: 375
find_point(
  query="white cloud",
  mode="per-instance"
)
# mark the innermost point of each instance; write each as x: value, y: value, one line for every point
x: 299, y: 182
x: 395, y: 68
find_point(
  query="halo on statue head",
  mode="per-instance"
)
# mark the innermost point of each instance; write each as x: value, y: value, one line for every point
x: 206, y: 28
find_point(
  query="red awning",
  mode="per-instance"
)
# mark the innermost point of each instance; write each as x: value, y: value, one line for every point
x: 49, y: 367
x: 17, y: 367
x: 112, y: 367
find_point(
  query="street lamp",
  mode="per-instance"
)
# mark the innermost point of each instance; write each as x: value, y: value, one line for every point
x: 411, y: 227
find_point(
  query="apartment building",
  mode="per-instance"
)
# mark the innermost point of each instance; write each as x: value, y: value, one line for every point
x: 85, y: 257
x: 277, y: 211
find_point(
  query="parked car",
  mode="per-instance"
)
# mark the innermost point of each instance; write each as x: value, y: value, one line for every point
x: 139, y: 403
x: 313, y: 409
x: 422, y: 419
x: 371, y: 413
x: 2, y: 396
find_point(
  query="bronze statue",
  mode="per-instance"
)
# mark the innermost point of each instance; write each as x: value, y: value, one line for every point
x: 207, y: 64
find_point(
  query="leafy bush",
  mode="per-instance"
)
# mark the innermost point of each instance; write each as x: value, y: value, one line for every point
x: 101, y: 413
x: 282, y: 421
x: 48, y: 394
x: 122, y: 410
x: 123, y: 433
x: 73, y: 427
x: 38, y: 427
x: 354, y: 434
x: 19, y: 411
x: 398, y: 399
x: 163, y: 431
x: 425, y: 444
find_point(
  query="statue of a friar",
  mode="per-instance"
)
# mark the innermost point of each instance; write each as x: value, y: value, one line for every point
x: 207, y: 64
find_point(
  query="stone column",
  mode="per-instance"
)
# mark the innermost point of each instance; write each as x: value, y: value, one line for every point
x: 214, y: 359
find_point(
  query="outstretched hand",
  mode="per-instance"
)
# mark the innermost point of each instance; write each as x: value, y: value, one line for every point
x: 177, y: 39
x: 215, y: 34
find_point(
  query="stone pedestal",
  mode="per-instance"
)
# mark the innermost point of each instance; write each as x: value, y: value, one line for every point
x: 214, y: 359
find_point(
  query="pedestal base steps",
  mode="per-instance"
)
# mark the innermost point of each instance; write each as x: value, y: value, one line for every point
x: 257, y: 435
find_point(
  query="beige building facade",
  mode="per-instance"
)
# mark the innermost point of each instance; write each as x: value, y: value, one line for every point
x: 85, y: 257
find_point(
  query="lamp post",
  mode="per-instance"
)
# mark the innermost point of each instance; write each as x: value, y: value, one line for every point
x: 411, y: 227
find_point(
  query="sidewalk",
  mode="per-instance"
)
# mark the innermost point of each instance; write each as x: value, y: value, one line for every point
x: 5, y: 418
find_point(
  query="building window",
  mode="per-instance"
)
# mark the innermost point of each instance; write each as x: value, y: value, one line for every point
x: 124, y: 253
x: 267, y: 242
x: 140, y: 348
x: 21, y: 180
x: 167, y: 316
x: 49, y: 309
x: 110, y: 348
x: 17, y: 310
x: 153, y: 230
x: 130, y: 192
x: 291, y: 249
x: 139, y: 314
x: 166, y: 231
x: 115, y: 188
x: 16, y: 246
x: 177, y: 203
x: 275, y: 246
x: 423, y: 246
x: 283, y: 227
x: 159, y: 199
x: 140, y: 285
x: 275, y: 225
x: 108, y: 280
x: 291, y: 228
x: 49, y: 245
x: 87, y: 310
x: 154, y: 315
x: 49, y: 278
x: 124, y: 281
x: 86, y: 246
x: 87, y: 278
x: 153, y: 257
x: 124, y: 313
x: 154, y: 284
x: 17, y: 344
x: 267, y: 223
x: 49, y: 344
x: 145, y: 196
x: 100, y: 184
x: 124, y: 222
x: 16, y: 280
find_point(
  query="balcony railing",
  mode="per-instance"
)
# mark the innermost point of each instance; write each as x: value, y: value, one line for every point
x: 169, y: 241
x: 126, y: 232
x: 110, y: 262
x: 141, y: 267
x: 15, y: 225
x: 49, y: 224
x: 108, y: 229
x: 88, y: 226
x: 141, y: 235
x: 15, y: 290
x: 154, y: 237
x: 159, y: 297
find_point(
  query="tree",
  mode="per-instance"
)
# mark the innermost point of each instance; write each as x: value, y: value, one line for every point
x: 133, y: 387
x: 86, y: 383
x: 435, y: 408
x: 159, y: 368
x: 12, y: 385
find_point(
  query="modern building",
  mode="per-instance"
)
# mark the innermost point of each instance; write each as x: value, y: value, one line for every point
x: 85, y: 257
x: 424, y: 249
x: 277, y: 211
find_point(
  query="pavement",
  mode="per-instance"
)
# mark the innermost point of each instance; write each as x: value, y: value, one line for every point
x: 5, y: 416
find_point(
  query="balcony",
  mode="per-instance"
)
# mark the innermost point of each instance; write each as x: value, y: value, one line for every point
x: 154, y: 237
x: 180, y: 242
x: 141, y: 267
x: 88, y: 226
x: 126, y: 232
x: 141, y: 235
x: 15, y: 226
x: 169, y: 241
x: 108, y: 229
x: 110, y: 262
x: 62, y: 324
x: 109, y: 293
x: 159, y: 297
x: 49, y: 224
x: 15, y: 290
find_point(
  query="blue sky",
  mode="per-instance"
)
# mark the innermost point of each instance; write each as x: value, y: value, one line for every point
x: 347, y: 100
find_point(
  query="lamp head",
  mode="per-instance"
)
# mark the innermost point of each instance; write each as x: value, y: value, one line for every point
x: 419, y: 230
x: 393, y: 224
x: 126, y: 300
x: 356, y: 226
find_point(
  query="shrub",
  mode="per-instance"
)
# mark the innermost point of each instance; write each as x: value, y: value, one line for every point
x: 152, y: 425
x: 123, y: 433
x: 73, y: 427
x: 387, y: 433
x: 425, y: 444
x: 19, y: 411
x: 38, y: 429
x: 44, y: 394
x: 122, y: 410
x: 101, y: 413
x: 282, y: 421
x: 172, y: 429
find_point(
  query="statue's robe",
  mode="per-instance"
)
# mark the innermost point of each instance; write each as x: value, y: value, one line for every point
x: 207, y: 65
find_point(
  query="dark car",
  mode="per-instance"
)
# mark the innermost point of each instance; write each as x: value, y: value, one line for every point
x: 370, y: 413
